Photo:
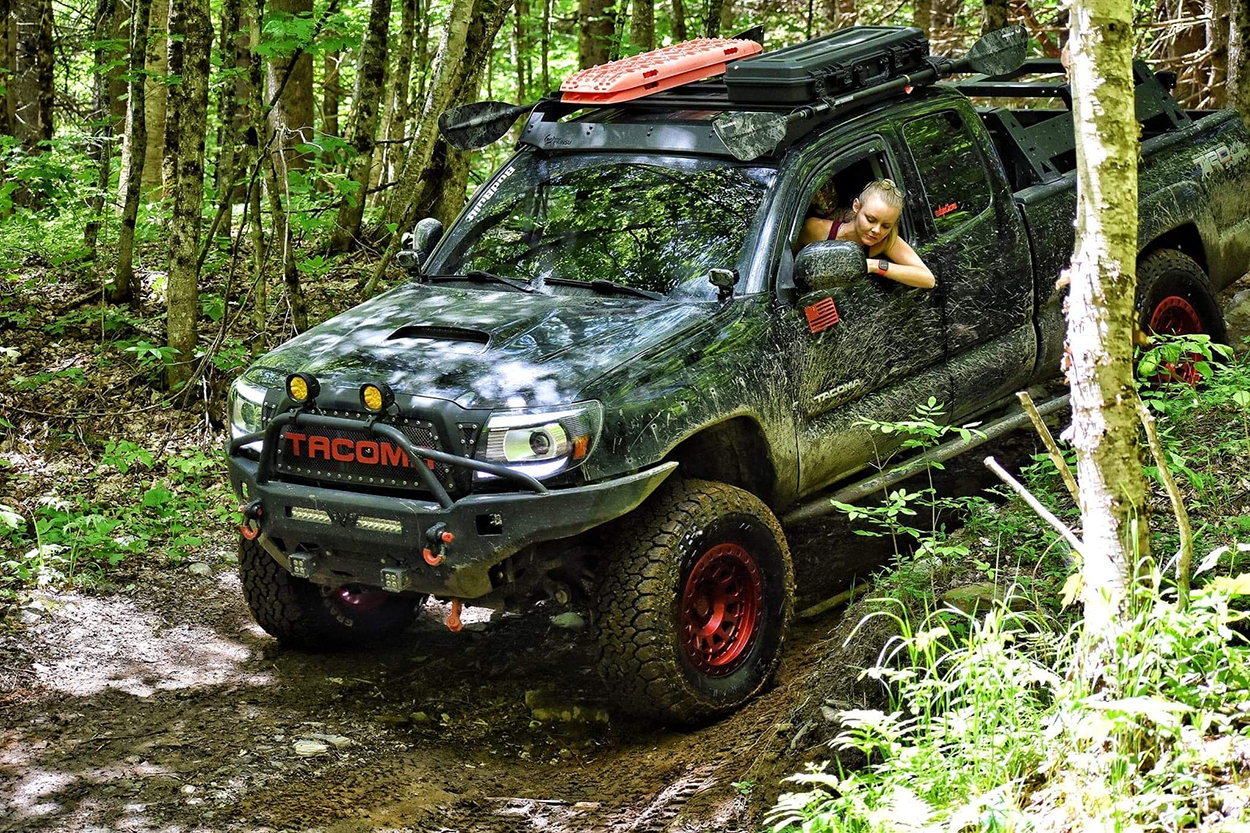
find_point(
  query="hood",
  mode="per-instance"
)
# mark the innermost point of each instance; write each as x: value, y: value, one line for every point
x: 482, y: 348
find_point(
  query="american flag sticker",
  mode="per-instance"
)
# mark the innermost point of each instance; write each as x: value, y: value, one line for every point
x: 821, y: 315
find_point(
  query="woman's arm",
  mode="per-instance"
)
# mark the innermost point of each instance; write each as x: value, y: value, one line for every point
x: 906, y: 267
x: 814, y: 231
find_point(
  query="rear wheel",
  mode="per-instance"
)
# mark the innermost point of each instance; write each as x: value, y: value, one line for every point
x: 1174, y: 297
x: 311, y: 616
x: 694, y: 603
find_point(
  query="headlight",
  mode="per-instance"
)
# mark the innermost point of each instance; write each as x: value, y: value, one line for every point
x: 540, y: 443
x: 245, y: 403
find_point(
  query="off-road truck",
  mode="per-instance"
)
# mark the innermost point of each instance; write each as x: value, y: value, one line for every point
x: 613, y: 372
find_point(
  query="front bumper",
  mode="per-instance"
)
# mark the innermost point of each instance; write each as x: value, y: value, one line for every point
x: 316, y: 532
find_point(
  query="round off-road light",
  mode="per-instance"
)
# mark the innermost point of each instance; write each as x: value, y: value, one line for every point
x: 302, y: 387
x: 376, y: 398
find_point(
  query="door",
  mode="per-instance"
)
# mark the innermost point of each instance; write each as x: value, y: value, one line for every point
x: 870, y: 349
x: 971, y: 236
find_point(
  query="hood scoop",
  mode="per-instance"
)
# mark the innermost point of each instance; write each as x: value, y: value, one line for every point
x: 460, y: 339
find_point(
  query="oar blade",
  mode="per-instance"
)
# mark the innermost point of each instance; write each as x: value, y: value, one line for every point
x: 750, y: 135
x: 999, y: 52
x: 476, y: 125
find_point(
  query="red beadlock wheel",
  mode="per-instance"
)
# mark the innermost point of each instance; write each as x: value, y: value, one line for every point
x: 1175, y: 316
x: 720, y: 608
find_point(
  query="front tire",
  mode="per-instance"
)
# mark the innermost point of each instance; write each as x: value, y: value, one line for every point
x: 694, y: 603
x: 309, y: 616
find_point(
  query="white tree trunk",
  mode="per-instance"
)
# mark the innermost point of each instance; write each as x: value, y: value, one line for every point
x: 1100, y: 306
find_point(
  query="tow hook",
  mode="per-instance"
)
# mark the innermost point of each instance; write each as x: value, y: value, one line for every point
x: 437, y: 538
x: 250, y: 528
x: 453, y: 619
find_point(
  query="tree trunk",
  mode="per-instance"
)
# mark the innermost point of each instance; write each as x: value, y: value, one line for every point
x: 1239, y: 59
x: 331, y: 93
x: 422, y: 61
x: 103, y: 125
x: 120, y: 34
x: 174, y: 104
x: 922, y: 15
x: 642, y: 25
x: 256, y: 142
x: 269, y: 139
x: 679, y: 21
x: 1217, y: 36
x: 994, y: 15
x: 293, y: 114
x: 7, y: 46
x: 727, y: 16
x: 366, y: 98
x: 1100, y: 307
x: 233, y: 55
x: 397, y: 116
x: 47, y: 80
x: 444, y: 80
x: 546, y: 45
x: 29, y: 112
x: 191, y: 20
x: 594, y: 32
x: 124, y: 283
x: 470, y: 32
x: 711, y: 18
x: 520, y: 49
x: 156, y: 94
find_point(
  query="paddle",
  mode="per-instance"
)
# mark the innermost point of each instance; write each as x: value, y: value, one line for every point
x: 750, y: 135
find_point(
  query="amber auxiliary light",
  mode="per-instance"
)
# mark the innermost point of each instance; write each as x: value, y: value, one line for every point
x: 302, y: 387
x: 376, y: 398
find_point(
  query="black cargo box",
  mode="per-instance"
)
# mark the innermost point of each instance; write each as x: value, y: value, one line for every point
x: 833, y: 65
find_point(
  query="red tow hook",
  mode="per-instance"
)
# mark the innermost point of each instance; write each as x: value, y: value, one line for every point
x: 453, y: 622
x: 437, y: 538
x: 250, y: 528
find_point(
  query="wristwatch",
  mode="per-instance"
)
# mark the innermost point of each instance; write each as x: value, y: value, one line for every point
x: 883, y: 265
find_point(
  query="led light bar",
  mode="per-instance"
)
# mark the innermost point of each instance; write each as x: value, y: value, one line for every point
x: 380, y: 525
x: 312, y: 516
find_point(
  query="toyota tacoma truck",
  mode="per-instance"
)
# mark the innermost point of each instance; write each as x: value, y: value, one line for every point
x: 616, y: 369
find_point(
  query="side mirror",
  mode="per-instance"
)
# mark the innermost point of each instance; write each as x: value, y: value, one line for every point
x: 419, y: 245
x: 724, y: 280
x: 829, y: 264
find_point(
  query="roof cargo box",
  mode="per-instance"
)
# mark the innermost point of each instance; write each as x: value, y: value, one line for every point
x: 839, y: 63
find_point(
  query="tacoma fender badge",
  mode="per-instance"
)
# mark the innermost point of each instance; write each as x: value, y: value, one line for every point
x: 821, y: 315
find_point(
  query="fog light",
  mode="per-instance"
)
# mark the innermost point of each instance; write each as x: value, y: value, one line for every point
x: 302, y: 387
x: 376, y: 398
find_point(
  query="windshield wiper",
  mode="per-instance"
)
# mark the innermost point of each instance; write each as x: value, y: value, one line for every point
x: 481, y: 276
x: 608, y: 287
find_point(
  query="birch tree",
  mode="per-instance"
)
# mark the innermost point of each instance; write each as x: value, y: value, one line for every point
x: 156, y: 95
x: 1100, y: 306
x: 190, y: 19
x: 367, y: 96
x: 397, y: 111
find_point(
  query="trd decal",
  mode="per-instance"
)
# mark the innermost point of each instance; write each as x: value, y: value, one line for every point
x: 1220, y: 159
x: 942, y: 211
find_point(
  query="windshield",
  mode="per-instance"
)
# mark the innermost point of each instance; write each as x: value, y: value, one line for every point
x: 657, y: 225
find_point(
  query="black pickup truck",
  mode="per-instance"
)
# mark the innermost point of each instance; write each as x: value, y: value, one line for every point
x: 616, y: 368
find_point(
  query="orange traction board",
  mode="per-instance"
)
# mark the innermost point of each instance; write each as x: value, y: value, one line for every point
x: 651, y: 72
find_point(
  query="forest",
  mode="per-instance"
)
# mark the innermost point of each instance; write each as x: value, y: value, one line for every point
x: 1055, y: 643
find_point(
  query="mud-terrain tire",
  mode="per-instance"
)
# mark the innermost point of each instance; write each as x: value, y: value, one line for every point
x: 312, y: 617
x: 1175, y: 295
x: 696, y: 554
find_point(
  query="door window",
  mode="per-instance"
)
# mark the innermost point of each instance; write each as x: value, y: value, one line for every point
x: 946, y: 154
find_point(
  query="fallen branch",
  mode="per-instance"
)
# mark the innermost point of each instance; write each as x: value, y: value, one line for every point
x: 1056, y: 457
x: 832, y: 602
x: 1178, y: 505
x: 1036, y: 505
